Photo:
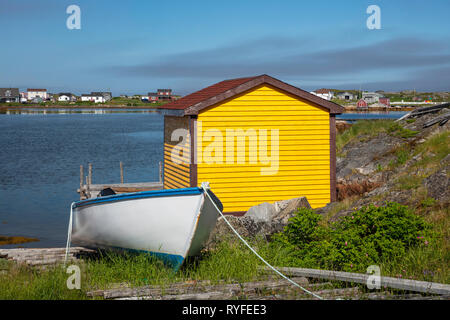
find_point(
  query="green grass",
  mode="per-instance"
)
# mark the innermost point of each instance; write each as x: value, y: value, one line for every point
x: 408, y: 182
x: 363, y: 130
x: 231, y: 261
x: 433, y: 150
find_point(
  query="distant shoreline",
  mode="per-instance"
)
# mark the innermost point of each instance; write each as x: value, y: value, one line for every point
x: 75, y: 106
x: 109, y: 106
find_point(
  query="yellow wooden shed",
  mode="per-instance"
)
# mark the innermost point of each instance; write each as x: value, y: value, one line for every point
x: 255, y: 140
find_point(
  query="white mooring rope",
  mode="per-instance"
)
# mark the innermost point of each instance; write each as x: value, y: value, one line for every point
x: 253, y: 250
x: 69, y: 234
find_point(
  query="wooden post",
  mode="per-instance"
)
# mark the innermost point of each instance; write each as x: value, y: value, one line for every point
x: 88, y: 194
x: 90, y: 173
x: 121, y: 172
x: 81, y: 176
x: 160, y: 172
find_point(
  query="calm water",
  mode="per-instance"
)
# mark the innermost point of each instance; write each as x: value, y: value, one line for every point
x: 40, y: 163
x: 41, y: 154
x: 371, y: 115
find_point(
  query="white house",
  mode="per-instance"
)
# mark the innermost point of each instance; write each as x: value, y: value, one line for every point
x: 371, y: 97
x: 324, y: 93
x: 346, y: 96
x: 37, y: 93
x: 9, y: 95
x: 66, y: 97
x: 97, y: 98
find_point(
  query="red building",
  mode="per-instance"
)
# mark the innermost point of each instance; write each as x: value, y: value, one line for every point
x: 361, y: 104
x: 385, y: 101
x: 164, y: 94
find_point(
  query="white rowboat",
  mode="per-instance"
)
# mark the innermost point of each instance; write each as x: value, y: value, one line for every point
x: 170, y: 224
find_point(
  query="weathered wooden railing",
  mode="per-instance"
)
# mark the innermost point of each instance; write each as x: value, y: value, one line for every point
x: 89, y: 190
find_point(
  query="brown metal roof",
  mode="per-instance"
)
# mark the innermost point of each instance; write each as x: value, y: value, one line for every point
x: 193, y: 103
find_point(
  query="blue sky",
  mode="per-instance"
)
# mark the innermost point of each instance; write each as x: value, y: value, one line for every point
x: 132, y: 47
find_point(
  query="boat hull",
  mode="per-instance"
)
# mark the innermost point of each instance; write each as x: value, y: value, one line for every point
x: 170, y: 224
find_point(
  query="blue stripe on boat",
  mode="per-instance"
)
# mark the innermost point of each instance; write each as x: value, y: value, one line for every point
x: 140, y: 195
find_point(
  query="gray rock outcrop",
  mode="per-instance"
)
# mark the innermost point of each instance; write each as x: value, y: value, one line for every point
x: 261, y: 220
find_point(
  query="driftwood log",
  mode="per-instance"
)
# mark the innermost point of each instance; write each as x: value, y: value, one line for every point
x: 386, y: 282
x: 203, y: 290
x: 44, y: 256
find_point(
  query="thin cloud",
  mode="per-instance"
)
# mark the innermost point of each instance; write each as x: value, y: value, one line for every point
x: 242, y: 59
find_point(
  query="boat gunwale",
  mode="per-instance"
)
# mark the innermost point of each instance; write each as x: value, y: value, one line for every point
x: 139, y: 195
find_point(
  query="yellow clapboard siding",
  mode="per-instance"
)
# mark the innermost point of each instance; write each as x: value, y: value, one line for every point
x: 303, y: 164
x: 173, y: 180
x: 238, y: 185
x: 305, y: 115
x: 255, y: 123
x: 313, y: 129
x: 284, y: 144
x: 302, y: 137
x: 247, y: 173
x: 178, y: 161
x: 270, y: 197
x: 255, y: 192
x: 181, y: 167
x: 176, y: 152
x: 177, y: 177
x: 177, y: 172
x: 181, y: 160
x: 244, y: 208
x: 169, y: 185
x: 296, y: 158
x: 217, y: 160
x: 267, y: 100
x: 315, y: 202
x: 262, y: 180
x: 277, y: 108
x: 257, y: 169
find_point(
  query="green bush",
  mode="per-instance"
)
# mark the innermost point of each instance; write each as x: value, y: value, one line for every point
x: 367, y: 236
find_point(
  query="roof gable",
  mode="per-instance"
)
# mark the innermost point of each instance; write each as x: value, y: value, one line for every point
x: 193, y: 103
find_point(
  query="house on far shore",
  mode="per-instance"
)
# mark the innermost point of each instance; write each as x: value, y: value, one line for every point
x: 37, y: 94
x: 9, y: 95
x: 385, y: 101
x: 150, y: 97
x: 23, y: 97
x: 159, y: 95
x: 326, y: 94
x: 97, y: 97
x: 105, y: 94
x: 361, y: 103
x: 346, y: 96
x: 67, y: 97
x: 371, y: 97
x: 164, y: 94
